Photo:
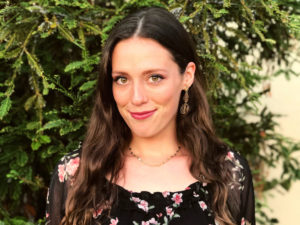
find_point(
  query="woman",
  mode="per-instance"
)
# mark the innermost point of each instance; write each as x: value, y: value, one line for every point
x: 150, y: 155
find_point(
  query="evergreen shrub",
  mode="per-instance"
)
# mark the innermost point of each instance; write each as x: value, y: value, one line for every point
x: 49, y: 51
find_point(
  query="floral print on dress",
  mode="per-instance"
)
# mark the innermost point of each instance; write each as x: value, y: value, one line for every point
x: 69, y: 168
x: 202, y: 205
x: 149, y: 222
x: 177, y: 198
x: 114, y: 221
x: 245, y: 222
x: 160, y: 208
x: 166, y: 193
x: 152, y: 221
x: 158, y: 215
x: 237, y: 172
x: 142, y: 204
x: 97, y: 213
x: 72, y: 166
x: 61, y: 173
x: 170, y: 214
x: 135, y: 199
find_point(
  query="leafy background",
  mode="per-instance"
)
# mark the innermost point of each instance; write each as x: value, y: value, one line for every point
x: 49, y: 51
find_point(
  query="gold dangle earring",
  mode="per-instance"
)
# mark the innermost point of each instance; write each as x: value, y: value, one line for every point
x: 185, y: 106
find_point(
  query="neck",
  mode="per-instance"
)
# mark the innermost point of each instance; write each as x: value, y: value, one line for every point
x: 162, y: 145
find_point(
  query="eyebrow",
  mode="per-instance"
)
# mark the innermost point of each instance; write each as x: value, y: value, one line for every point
x: 144, y: 72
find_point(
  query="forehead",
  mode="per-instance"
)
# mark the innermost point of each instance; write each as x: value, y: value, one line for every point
x: 140, y: 53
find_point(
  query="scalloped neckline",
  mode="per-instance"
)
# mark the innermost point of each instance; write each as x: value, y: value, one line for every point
x: 189, y: 187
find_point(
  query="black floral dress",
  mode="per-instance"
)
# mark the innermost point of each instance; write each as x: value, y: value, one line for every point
x: 185, y: 207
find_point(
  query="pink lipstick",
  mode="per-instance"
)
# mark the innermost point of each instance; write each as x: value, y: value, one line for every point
x: 142, y: 115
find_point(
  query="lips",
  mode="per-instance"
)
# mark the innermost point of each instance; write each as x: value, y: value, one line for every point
x: 142, y: 115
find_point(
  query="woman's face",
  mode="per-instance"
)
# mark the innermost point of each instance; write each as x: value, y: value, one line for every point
x: 146, y: 85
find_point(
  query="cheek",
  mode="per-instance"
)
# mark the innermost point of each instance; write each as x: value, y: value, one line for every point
x: 169, y: 97
x: 119, y: 96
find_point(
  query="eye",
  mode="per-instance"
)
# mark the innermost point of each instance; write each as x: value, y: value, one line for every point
x: 120, y: 80
x: 156, y: 78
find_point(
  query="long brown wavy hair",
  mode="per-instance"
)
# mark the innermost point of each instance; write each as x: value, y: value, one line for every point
x: 108, y: 136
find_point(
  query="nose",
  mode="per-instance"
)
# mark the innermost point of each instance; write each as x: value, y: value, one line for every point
x: 139, y: 94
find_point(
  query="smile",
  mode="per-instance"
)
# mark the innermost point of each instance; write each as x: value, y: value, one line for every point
x: 142, y: 115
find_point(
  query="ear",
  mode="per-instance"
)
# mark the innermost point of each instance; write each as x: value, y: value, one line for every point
x: 189, y: 74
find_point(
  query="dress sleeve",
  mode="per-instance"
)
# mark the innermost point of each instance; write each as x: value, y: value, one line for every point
x: 62, y: 180
x: 242, y: 188
x: 56, y: 196
x: 247, y: 196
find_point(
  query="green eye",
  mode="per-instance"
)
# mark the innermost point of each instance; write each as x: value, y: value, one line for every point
x: 156, y: 78
x: 120, y: 80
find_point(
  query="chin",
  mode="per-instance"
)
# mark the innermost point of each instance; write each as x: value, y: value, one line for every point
x: 143, y: 133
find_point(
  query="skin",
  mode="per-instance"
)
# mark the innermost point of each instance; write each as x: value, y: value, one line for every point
x: 145, y: 77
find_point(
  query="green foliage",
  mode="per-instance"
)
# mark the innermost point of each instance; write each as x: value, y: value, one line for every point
x: 49, y: 51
